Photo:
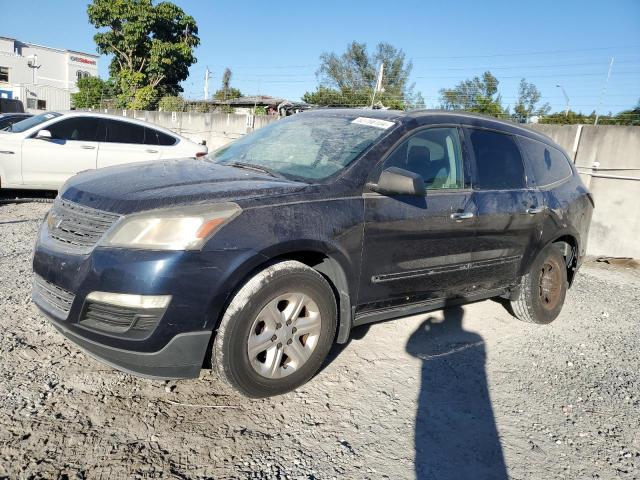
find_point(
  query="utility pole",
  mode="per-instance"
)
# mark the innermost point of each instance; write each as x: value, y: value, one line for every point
x: 604, y: 91
x: 207, y: 74
x: 378, y: 87
x: 566, y: 97
x: 33, y: 65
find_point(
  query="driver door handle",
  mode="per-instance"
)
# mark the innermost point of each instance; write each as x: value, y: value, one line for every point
x: 88, y: 147
x: 459, y: 216
x: 535, y: 210
x: 150, y: 150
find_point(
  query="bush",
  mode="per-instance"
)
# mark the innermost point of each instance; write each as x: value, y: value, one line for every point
x: 144, y: 98
x: 171, y: 103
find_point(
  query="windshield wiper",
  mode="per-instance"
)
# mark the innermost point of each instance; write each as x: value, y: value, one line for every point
x: 257, y: 168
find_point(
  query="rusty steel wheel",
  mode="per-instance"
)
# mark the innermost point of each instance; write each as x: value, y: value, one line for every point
x: 551, y: 284
x: 543, y: 288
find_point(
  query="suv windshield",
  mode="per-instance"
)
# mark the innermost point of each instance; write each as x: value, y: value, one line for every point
x: 25, y: 125
x: 308, y: 147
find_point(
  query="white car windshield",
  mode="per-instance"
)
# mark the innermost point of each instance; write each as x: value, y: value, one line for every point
x: 31, y: 122
x: 308, y: 147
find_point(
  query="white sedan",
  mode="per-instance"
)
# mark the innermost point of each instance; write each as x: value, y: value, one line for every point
x: 43, y: 151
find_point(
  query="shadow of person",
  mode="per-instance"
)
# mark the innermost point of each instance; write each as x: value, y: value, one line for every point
x: 456, y: 435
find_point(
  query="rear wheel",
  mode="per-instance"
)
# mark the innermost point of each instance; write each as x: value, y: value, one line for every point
x: 277, y: 330
x: 543, y: 288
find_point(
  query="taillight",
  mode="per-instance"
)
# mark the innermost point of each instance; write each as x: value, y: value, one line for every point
x: 200, y: 154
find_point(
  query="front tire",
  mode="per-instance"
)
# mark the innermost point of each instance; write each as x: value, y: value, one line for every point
x: 277, y: 330
x: 543, y: 288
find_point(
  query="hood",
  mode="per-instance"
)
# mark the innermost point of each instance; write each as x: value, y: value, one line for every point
x: 149, y: 185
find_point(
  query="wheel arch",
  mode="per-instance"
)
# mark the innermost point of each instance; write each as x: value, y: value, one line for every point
x: 330, y: 263
x: 569, y: 248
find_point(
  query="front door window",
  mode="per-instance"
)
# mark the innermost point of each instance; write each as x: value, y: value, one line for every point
x: 435, y: 154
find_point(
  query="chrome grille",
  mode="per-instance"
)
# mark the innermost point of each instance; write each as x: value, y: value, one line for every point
x: 76, y: 226
x: 55, y: 297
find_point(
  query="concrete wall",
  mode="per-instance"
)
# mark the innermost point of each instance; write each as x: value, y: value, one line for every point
x: 615, y: 183
x: 216, y: 129
x: 615, y: 228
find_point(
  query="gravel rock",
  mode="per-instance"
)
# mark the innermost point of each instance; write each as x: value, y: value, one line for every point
x: 478, y: 395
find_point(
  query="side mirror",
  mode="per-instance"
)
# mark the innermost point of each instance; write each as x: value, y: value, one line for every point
x: 398, y: 181
x: 43, y: 135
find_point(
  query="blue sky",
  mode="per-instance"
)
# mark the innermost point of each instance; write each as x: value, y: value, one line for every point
x: 273, y: 47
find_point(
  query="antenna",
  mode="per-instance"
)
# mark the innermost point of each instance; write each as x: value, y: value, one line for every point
x: 378, y: 87
x: 566, y: 97
x: 604, y: 91
x: 207, y: 74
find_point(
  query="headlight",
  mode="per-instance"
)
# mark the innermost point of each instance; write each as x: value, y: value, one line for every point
x: 182, y: 228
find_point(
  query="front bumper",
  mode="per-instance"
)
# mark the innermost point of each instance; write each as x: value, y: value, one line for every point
x: 175, y: 344
x: 180, y: 358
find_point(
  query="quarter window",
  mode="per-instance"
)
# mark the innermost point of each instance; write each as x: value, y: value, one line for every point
x: 498, y: 161
x: 154, y: 137
x: 77, y: 128
x: 434, y: 154
x: 548, y: 164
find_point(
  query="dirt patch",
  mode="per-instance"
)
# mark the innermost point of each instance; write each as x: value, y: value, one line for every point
x: 465, y: 393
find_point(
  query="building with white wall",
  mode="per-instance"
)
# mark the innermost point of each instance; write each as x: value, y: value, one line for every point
x: 42, y: 77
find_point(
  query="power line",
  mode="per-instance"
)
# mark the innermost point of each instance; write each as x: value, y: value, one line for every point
x: 544, y: 52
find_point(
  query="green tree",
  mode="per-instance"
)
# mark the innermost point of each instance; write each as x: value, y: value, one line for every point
x: 92, y: 92
x: 171, y: 103
x: 152, y: 47
x: 628, y: 117
x: 350, y: 78
x: 479, y: 94
x: 229, y: 94
x: 528, y: 98
x: 345, y: 97
x: 226, y: 92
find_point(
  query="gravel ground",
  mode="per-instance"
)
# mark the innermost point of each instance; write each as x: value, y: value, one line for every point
x: 479, y: 395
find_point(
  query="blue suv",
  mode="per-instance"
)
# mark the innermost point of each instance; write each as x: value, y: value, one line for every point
x: 272, y: 248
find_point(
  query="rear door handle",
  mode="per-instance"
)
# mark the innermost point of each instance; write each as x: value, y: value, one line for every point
x: 535, y: 210
x: 150, y: 150
x: 89, y: 147
x: 459, y: 216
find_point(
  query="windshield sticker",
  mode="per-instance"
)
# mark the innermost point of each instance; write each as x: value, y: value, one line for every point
x: 373, y: 122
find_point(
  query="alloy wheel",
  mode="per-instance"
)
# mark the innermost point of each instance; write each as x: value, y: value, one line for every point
x: 284, y: 335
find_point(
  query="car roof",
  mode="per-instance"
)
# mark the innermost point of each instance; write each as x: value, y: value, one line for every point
x: 484, y: 121
x: 438, y: 116
x: 390, y: 115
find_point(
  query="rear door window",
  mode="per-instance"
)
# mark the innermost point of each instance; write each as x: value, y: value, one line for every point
x: 548, y: 165
x: 124, y: 132
x: 84, y: 129
x: 499, y: 164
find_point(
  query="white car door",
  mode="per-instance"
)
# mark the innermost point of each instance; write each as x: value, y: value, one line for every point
x: 10, y: 165
x: 72, y: 148
x: 125, y: 143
